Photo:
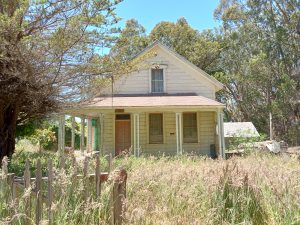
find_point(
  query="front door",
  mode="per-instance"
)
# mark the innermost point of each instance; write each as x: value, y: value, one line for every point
x: 122, y: 133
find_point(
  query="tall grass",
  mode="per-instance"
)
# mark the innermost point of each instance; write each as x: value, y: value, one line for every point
x: 257, y: 189
x: 69, y: 205
x: 261, y: 189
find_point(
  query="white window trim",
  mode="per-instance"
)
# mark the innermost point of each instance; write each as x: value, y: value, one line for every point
x: 164, y: 68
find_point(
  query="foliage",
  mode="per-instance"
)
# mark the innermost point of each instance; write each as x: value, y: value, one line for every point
x: 259, y: 62
x: 202, y: 49
x: 26, y: 129
x: 42, y: 137
x: 69, y: 191
x: 256, y: 189
x: 132, y: 40
x: 246, y: 138
x: 48, y: 57
x: 45, y: 132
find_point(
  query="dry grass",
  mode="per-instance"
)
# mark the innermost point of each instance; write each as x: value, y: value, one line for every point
x: 256, y: 189
x: 253, y: 190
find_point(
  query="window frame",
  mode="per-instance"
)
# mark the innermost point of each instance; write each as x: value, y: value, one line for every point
x: 164, y: 69
x: 189, y: 140
x: 149, y: 127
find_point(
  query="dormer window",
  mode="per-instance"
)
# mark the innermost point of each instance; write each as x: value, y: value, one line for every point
x: 157, y: 80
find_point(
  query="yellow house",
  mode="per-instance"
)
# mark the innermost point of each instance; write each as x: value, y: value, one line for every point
x: 167, y: 108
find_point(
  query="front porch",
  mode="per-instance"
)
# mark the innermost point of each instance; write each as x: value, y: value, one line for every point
x: 149, y: 129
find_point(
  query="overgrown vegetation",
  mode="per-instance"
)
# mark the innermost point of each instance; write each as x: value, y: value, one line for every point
x: 74, y: 199
x: 258, y: 189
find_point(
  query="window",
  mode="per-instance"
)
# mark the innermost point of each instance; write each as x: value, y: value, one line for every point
x: 157, y: 80
x: 190, y: 134
x: 123, y: 117
x: 156, y: 128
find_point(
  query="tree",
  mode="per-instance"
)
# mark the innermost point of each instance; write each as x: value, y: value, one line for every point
x: 48, y: 56
x: 42, y: 137
x: 202, y: 49
x: 132, y: 40
x: 260, y: 62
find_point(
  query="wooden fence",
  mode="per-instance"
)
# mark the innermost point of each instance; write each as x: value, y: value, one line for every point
x: 37, y: 192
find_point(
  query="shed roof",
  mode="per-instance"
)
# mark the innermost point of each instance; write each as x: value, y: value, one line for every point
x: 152, y: 101
x: 240, y: 129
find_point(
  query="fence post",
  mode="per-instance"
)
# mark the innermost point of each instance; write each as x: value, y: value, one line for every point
x: 38, y: 189
x: 85, y: 178
x: 118, y: 196
x: 62, y: 162
x: 27, y: 185
x: 12, y: 187
x: 98, y: 179
x: 4, y: 167
x: 110, y: 163
x: 50, y: 190
x: 12, y: 191
x: 74, y: 168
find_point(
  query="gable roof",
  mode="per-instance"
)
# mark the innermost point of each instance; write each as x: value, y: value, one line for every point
x: 240, y: 129
x: 218, y: 85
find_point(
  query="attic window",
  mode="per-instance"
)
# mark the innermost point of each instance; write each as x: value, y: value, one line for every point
x: 157, y: 80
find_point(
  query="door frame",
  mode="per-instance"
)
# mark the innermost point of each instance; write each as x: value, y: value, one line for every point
x: 114, y: 129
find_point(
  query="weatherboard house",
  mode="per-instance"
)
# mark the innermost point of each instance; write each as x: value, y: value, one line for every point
x: 167, y: 107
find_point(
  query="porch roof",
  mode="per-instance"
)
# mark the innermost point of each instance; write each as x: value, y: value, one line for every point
x: 153, y: 101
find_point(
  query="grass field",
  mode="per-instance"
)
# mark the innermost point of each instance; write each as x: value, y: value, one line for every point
x: 255, y: 189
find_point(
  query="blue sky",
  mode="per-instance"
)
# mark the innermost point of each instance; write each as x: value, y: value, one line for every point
x: 199, y: 13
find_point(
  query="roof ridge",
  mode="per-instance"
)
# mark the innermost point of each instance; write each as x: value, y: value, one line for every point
x: 182, y: 58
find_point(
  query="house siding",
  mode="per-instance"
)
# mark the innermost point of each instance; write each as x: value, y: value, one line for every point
x: 179, y: 78
x: 206, y: 134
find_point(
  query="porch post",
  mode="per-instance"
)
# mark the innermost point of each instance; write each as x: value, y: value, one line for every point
x: 82, y: 134
x: 101, y: 133
x: 179, y: 132
x: 221, y: 134
x: 89, y: 136
x: 136, y: 134
x: 61, y: 134
x: 73, y: 133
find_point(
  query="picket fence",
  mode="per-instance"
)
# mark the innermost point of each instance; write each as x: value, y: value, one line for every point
x: 26, y: 182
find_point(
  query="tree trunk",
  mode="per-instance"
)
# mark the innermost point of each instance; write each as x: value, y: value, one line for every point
x: 8, y: 123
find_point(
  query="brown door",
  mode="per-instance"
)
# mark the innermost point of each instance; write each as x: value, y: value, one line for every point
x: 122, y: 133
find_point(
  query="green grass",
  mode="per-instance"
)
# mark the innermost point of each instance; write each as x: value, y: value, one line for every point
x: 256, y: 189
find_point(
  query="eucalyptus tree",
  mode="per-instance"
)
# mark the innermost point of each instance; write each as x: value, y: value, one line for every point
x: 260, y: 61
x: 201, y: 48
x: 49, y: 52
x: 132, y: 40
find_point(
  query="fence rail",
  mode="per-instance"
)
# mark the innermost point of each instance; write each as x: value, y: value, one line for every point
x: 42, y: 195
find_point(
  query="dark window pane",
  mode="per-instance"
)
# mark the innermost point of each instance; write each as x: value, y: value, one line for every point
x: 190, y: 132
x: 123, y: 117
x: 155, y: 128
